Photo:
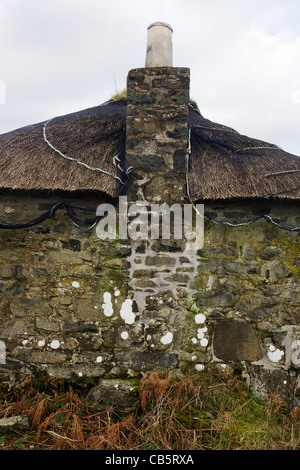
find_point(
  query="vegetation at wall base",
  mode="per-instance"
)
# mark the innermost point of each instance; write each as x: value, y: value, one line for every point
x: 200, y: 411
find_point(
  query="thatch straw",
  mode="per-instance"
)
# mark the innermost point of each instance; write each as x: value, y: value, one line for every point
x: 223, y: 164
x: 92, y: 137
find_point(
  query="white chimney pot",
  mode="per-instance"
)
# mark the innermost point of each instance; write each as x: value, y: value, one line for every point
x: 159, y: 45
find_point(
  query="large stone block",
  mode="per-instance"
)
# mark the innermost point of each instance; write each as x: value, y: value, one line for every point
x: 235, y: 340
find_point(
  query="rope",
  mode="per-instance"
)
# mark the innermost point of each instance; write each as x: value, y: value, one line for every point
x: 282, y: 172
x: 49, y: 213
x: 82, y: 163
x: 240, y: 224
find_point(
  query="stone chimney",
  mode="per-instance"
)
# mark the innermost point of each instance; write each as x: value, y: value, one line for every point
x: 157, y: 121
x: 161, y: 268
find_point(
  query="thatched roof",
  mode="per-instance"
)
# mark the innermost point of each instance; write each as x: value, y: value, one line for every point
x: 93, y: 137
x: 223, y: 164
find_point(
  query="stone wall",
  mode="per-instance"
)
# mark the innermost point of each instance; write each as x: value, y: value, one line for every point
x: 72, y: 302
x: 247, y: 295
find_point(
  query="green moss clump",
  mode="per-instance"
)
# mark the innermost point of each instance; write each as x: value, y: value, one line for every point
x: 120, y: 95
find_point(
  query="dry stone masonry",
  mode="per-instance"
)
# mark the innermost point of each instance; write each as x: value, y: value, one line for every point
x: 114, y: 309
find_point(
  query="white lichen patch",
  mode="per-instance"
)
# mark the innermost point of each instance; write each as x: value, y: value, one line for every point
x: 204, y: 342
x: 61, y: 289
x: 274, y: 354
x: 75, y: 284
x: 117, y: 292
x: 200, y: 318
x: 167, y: 338
x: 199, y: 367
x: 107, y: 305
x: 201, y: 332
x: 126, y: 312
x: 99, y: 359
x: 124, y: 335
x: 54, y: 344
x: 41, y: 343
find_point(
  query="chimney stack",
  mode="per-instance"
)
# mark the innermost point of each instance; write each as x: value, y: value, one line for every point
x: 157, y: 121
x: 159, y: 45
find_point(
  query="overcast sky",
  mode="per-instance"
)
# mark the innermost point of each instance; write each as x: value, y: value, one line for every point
x: 61, y: 56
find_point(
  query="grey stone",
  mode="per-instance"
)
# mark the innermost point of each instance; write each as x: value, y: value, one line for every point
x: 249, y: 253
x: 222, y: 252
x: 119, y: 394
x: 22, y: 306
x: 269, y: 253
x: 243, y: 269
x: 235, y: 340
x: 47, y: 357
x: 265, y: 382
x: 13, y: 421
x: 145, y: 361
x: 9, y: 271
x: 46, y: 324
x: 71, y: 244
x: 148, y: 163
x: 215, y: 299
x: 159, y: 261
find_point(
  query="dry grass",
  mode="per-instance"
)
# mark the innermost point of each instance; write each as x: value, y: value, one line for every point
x: 200, y: 412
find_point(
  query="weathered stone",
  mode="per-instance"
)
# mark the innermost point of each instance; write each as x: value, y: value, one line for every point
x: 11, y: 271
x: 257, y: 306
x: 169, y: 246
x: 164, y: 298
x: 15, y: 421
x: 79, y: 328
x: 265, y: 382
x: 11, y: 288
x: 17, y: 327
x: 145, y: 361
x: 68, y: 370
x: 22, y: 306
x: 270, y: 252
x: 242, y: 269
x: 46, y: 324
x: 119, y: 394
x: 280, y: 270
x: 249, y: 253
x: 71, y: 244
x: 223, y: 252
x: 59, y: 228
x: 84, y: 310
x: 235, y: 340
x: 215, y: 299
x: 47, y: 357
x: 159, y: 261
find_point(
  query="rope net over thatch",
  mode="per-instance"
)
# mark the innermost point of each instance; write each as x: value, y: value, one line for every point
x: 85, y: 152
x: 70, y: 153
x: 225, y: 165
